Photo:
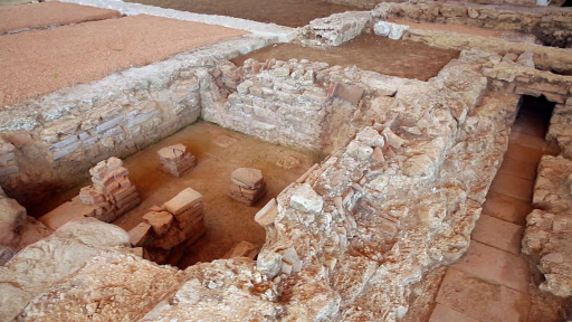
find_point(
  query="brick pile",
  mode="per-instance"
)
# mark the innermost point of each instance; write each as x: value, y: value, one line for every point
x: 112, y: 193
x: 175, y: 159
x: 247, y: 186
x: 165, y: 231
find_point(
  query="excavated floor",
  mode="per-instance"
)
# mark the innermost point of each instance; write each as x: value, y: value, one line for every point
x: 291, y: 13
x: 218, y: 152
x: 405, y: 59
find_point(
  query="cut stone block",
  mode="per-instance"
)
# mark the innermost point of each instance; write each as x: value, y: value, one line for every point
x: 68, y: 211
x: 507, y: 208
x: 159, y: 221
x: 172, y: 238
x: 243, y: 249
x: 498, y: 233
x: 513, y: 187
x: 182, y: 201
x: 246, y: 195
x: 349, y: 93
x: 495, y: 266
x: 247, y: 177
x: 265, y: 216
x: 139, y: 234
x: 518, y: 169
x: 306, y: 199
x: 173, y: 152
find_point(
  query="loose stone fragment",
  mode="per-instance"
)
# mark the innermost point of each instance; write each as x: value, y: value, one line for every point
x: 306, y: 199
x: 350, y: 93
x: 139, y: 234
x: 159, y: 221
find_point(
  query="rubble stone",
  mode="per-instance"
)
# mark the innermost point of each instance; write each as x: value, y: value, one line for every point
x: 305, y: 199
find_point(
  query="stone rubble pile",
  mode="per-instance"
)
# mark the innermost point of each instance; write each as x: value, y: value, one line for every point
x: 112, y: 194
x: 175, y: 159
x: 548, y: 229
x: 165, y: 231
x: 551, y: 24
x: 247, y: 186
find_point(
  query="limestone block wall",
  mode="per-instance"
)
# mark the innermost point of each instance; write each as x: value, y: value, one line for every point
x: 49, y: 142
x: 294, y: 103
x: 63, y: 134
x: 552, y: 26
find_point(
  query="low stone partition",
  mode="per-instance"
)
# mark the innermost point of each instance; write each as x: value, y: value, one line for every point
x: 548, y: 228
x: 551, y: 25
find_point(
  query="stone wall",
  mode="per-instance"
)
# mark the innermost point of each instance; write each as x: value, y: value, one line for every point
x: 552, y: 26
x: 295, y: 103
x: 50, y: 142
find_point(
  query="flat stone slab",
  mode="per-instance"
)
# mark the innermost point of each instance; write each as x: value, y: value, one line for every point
x: 42, y: 61
x: 495, y: 266
x: 498, y: 233
x: 479, y: 300
x: 48, y: 14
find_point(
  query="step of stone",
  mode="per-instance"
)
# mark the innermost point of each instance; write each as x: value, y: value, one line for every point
x: 479, y: 300
x: 495, y: 266
x: 498, y: 233
x: 513, y: 187
x: 507, y: 208
x: 518, y: 169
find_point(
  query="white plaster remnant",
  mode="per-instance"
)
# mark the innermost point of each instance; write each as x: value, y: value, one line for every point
x: 390, y: 29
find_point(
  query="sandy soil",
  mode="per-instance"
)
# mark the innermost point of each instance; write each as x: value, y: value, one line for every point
x: 42, y: 61
x: 404, y: 59
x: 219, y: 152
x: 47, y: 14
x: 291, y: 13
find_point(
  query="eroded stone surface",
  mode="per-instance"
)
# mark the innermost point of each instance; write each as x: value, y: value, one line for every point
x: 33, y: 270
x: 112, y: 286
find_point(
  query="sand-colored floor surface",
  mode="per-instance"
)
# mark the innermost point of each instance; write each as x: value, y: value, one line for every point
x: 42, y: 61
x: 47, y: 14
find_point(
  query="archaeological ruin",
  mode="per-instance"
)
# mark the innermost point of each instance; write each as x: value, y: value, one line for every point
x: 295, y: 160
